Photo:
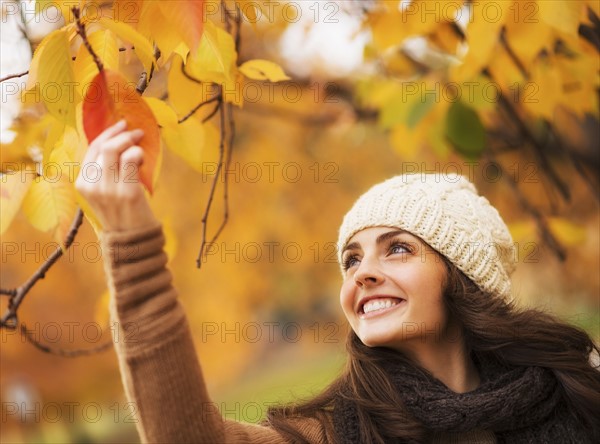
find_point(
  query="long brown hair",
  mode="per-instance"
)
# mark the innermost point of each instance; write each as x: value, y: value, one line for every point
x: 521, y: 337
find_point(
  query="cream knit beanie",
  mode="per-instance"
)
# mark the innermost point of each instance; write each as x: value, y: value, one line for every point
x: 445, y: 211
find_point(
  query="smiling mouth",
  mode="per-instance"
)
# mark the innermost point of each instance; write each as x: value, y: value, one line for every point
x: 379, y: 305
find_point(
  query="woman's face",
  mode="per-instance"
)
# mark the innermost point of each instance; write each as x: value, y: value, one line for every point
x: 392, y: 290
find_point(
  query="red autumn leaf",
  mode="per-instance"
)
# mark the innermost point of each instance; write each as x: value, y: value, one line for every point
x: 110, y: 98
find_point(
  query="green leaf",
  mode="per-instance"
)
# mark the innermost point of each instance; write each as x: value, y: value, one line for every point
x: 465, y: 130
x: 420, y: 109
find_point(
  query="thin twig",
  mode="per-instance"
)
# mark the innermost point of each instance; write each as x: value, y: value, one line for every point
x: 213, y: 186
x: 537, y: 216
x: 530, y: 137
x: 512, y: 55
x: 226, y: 178
x: 14, y: 76
x: 9, y: 320
x: 200, y: 105
x: 213, y: 112
x: 145, y: 78
x: 81, y: 31
x: 61, y: 352
x: 189, y: 76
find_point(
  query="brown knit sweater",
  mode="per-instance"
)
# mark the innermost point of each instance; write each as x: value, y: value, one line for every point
x: 159, y: 367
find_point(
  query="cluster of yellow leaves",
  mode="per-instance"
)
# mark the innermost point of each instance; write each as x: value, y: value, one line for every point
x: 471, y: 53
x: 195, y: 53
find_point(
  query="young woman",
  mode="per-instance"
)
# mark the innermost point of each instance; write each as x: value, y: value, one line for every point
x: 437, y: 353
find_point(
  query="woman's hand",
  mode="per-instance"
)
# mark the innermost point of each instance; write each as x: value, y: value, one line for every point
x: 116, y: 197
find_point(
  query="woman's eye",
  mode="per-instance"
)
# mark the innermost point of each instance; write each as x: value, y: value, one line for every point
x: 399, y: 248
x: 350, y: 261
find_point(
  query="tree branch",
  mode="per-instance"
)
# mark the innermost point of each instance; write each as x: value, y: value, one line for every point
x: 538, y: 149
x: 539, y: 219
x: 81, y: 31
x: 226, y: 180
x: 217, y: 98
x: 213, y: 186
x: 13, y: 76
x: 10, y: 320
x: 61, y: 352
x: 511, y: 54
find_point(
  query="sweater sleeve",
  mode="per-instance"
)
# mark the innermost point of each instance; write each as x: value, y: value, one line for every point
x: 159, y: 367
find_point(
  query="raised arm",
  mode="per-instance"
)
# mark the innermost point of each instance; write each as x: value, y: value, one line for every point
x: 157, y: 358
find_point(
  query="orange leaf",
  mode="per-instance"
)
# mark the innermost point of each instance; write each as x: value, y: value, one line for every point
x: 187, y: 17
x: 111, y: 98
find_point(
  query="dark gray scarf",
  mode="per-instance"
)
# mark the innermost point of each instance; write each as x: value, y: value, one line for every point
x: 518, y: 404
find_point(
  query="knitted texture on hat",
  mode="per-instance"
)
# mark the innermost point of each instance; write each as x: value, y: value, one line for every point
x: 446, y: 212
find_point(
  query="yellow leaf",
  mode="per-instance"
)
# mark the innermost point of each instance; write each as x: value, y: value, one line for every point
x: 391, y: 25
x: 182, y: 50
x: 566, y: 232
x: 233, y: 90
x: 105, y: 45
x: 482, y: 33
x: 185, y: 94
x: 385, y: 30
x: 526, y: 35
x: 143, y: 48
x: 13, y: 188
x: 194, y: 142
x: 547, y: 92
x: 397, y: 64
x: 523, y: 231
x: 128, y: 11
x: 65, y: 157
x: 509, y: 79
x: 165, y: 115
x: 580, y: 83
x: 561, y: 15
x: 31, y: 134
x: 446, y: 38
x: 50, y: 206
x: 186, y: 141
x: 263, y: 70
x: 88, y: 213
x: 166, y: 36
x: 52, y: 72
x: 215, y: 58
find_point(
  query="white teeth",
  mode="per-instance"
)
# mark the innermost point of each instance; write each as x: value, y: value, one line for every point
x: 378, y: 304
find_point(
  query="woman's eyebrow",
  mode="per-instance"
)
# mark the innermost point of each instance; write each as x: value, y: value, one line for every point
x: 390, y: 234
x: 380, y: 239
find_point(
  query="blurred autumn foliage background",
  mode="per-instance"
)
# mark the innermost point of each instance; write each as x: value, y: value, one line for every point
x: 504, y: 92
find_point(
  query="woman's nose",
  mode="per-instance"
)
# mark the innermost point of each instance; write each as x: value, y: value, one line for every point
x: 368, y: 273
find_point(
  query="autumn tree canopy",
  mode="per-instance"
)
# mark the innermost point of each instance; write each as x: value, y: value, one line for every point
x: 504, y: 90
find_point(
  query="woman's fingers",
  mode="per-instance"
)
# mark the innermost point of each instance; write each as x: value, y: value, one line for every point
x: 111, y: 149
x: 93, y: 150
x: 131, y: 160
x: 117, y: 197
x: 111, y: 131
x: 105, y: 152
